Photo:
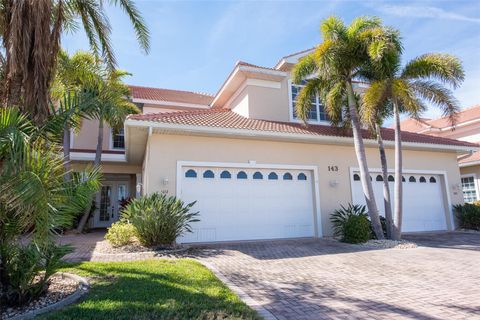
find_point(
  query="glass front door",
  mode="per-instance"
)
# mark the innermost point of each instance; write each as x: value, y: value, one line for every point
x: 110, y: 200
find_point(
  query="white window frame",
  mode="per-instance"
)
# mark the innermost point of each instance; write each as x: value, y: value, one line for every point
x: 290, y: 108
x: 475, y: 182
x: 111, y: 140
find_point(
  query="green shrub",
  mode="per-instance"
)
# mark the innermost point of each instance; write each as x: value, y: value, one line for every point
x: 120, y: 234
x: 349, y: 224
x: 158, y: 219
x: 468, y: 215
x: 340, y: 217
x: 357, y: 229
x: 26, y: 270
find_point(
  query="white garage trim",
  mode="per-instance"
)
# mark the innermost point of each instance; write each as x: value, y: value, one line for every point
x: 253, y: 165
x: 414, y: 171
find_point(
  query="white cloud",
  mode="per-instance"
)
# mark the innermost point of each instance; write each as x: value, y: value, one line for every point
x: 424, y: 12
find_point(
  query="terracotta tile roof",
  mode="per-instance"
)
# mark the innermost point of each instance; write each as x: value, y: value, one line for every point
x: 157, y: 94
x: 469, y: 158
x: 413, y: 125
x: 292, y: 54
x: 463, y: 116
x: 243, y: 63
x: 225, y: 118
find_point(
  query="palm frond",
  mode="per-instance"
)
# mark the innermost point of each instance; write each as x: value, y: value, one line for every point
x: 139, y: 25
x: 333, y: 28
x: 304, y: 68
x: 405, y: 96
x: 375, y: 101
x: 334, y: 101
x: 303, y: 104
x: 360, y: 24
x: 444, y: 67
x: 438, y: 95
x: 35, y: 188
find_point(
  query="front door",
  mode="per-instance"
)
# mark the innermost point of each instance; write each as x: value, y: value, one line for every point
x: 109, y: 203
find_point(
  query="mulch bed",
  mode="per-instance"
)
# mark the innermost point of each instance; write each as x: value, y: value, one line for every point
x: 389, y: 244
x: 60, y: 288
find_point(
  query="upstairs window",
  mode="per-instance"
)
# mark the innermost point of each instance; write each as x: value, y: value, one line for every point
x: 118, y: 139
x: 317, y: 112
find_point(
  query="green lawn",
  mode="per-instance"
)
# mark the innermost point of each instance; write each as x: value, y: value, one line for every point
x: 153, y: 289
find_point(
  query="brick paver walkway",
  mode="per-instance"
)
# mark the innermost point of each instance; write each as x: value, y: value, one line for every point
x: 321, y: 279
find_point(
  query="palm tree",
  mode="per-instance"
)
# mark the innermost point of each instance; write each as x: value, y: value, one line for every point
x: 73, y: 74
x: 406, y: 90
x: 111, y: 106
x: 345, y: 54
x: 31, y: 60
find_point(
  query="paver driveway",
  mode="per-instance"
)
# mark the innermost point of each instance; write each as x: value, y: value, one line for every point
x: 321, y: 279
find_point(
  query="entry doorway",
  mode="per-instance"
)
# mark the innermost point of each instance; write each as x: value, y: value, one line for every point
x: 109, y: 202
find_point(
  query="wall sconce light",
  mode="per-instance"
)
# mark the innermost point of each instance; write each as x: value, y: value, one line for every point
x: 165, y: 181
x: 333, y: 183
x: 138, y: 188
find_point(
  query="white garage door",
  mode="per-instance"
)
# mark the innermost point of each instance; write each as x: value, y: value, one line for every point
x: 248, y: 204
x: 423, y: 202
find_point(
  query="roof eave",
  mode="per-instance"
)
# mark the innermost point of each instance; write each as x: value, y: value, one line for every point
x: 469, y: 164
x: 298, y: 137
x: 237, y: 77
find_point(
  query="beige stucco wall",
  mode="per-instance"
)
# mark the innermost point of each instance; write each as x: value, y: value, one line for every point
x: 160, y: 164
x: 263, y: 100
x: 86, y: 138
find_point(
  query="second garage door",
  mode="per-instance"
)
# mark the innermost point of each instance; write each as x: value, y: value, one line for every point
x: 248, y: 204
x: 423, y: 201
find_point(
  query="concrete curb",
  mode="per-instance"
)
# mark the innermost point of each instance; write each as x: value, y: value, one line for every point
x: 249, y: 301
x: 82, y: 289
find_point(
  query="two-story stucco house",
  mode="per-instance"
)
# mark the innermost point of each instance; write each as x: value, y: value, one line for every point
x: 254, y: 169
x: 467, y: 128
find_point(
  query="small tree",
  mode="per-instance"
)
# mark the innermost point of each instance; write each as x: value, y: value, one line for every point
x: 110, y: 105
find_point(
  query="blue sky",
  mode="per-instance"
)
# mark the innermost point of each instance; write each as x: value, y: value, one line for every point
x: 194, y: 45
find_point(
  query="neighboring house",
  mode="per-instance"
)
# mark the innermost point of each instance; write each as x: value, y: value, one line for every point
x: 467, y: 128
x: 255, y: 170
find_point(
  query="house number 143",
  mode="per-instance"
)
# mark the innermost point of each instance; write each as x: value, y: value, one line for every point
x: 333, y: 168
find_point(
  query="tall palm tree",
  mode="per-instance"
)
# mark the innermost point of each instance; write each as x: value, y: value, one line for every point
x: 405, y: 90
x: 346, y: 53
x: 111, y: 106
x: 73, y: 74
x: 31, y: 33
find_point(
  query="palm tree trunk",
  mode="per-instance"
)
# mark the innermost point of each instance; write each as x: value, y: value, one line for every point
x: 66, y: 152
x: 98, y: 152
x: 98, y: 158
x: 386, y: 186
x: 398, y: 197
x: 362, y: 162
